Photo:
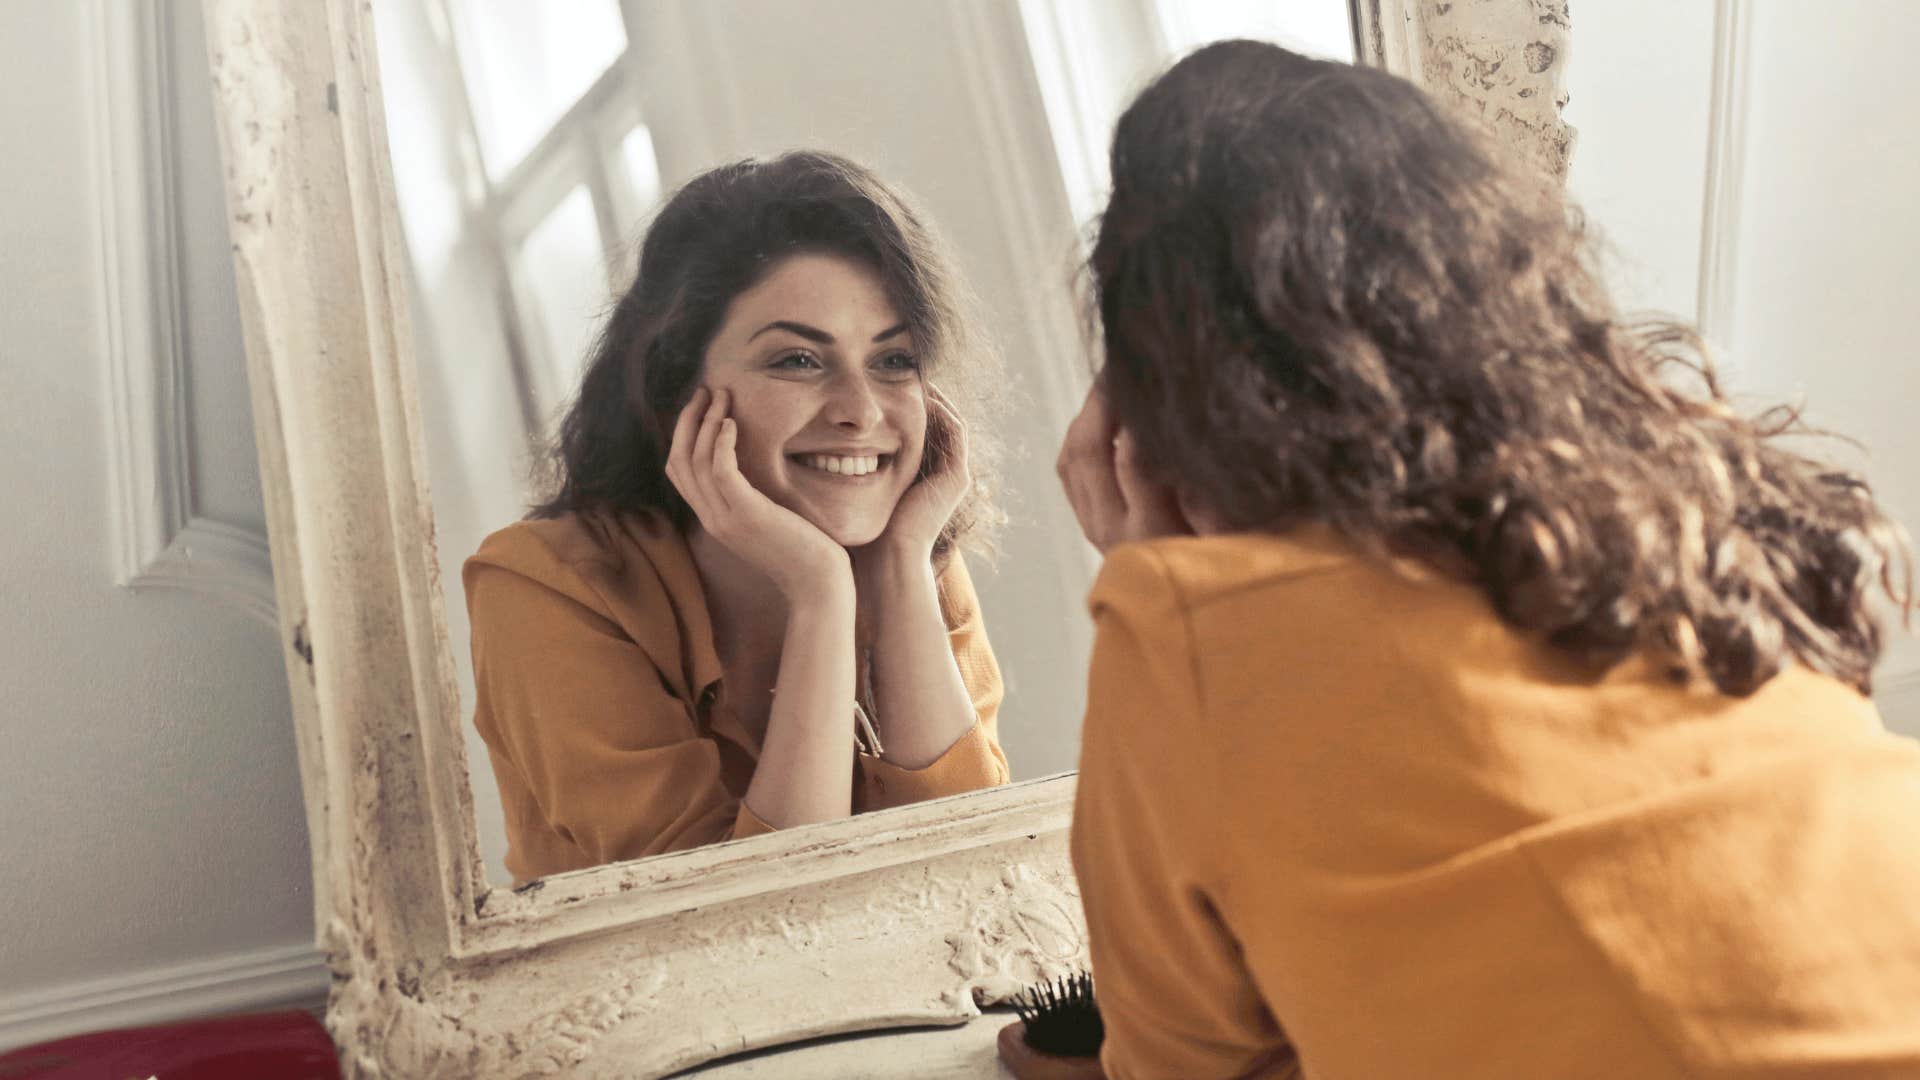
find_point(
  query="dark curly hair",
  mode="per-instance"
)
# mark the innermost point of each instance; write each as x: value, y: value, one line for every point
x: 1326, y: 299
x: 717, y: 236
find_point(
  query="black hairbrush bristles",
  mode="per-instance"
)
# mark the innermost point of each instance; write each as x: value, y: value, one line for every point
x: 1062, y: 1017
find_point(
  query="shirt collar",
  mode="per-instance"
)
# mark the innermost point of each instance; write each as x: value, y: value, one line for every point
x: 665, y: 547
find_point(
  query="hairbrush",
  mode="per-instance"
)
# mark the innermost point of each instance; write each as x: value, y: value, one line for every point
x: 1059, y: 1032
x: 1061, y: 1017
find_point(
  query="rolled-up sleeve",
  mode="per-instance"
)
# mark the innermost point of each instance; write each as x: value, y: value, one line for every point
x: 975, y: 760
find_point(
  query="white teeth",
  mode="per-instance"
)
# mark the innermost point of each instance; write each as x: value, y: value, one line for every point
x: 844, y: 466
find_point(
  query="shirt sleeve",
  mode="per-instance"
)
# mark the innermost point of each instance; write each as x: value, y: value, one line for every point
x: 612, y: 758
x: 975, y: 760
x: 1174, y: 997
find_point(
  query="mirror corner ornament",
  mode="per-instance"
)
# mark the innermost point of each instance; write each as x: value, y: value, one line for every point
x: 1501, y: 61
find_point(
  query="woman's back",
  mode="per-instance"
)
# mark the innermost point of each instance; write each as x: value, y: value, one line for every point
x: 1346, y: 794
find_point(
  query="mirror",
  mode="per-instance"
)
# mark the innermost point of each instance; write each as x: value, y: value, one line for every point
x: 532, y: 148
x: 919, y: 915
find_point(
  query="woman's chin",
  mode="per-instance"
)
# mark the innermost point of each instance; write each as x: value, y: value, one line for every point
x: 849, y: 531
x: 854, y: 535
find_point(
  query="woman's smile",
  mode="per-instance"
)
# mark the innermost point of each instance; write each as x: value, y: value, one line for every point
x: 843, y: 467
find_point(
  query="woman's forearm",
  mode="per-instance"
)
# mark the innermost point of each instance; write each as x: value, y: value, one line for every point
x: 921, y: 704
x: 805, y: 773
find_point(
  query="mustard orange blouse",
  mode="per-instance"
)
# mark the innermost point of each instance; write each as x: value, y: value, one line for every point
x: 1337, y: 820
x: 604, y: 708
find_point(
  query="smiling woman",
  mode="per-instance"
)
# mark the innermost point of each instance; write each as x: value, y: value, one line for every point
x: 793, y: 529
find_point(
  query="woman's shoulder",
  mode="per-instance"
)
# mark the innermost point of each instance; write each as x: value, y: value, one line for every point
x: 1312, y: 588
x: 576, y: 547
x: 1190, y: 572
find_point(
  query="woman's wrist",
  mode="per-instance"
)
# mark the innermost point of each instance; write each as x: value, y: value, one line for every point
x: 828, y: 582
x: 888, y: 561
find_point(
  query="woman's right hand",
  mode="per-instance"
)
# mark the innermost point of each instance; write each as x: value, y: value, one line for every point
x: 778, y: 542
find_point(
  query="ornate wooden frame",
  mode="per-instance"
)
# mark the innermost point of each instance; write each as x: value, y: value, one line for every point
x: 911, y: 917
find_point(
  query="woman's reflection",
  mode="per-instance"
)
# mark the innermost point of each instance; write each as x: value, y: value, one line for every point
x: 757, y: 489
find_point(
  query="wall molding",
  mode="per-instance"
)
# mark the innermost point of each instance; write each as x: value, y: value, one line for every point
x: 282, y: 976
x: 162, y: 540
x: 1726, y: 161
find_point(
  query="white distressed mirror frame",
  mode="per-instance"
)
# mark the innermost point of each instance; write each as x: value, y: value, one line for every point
x: 637, y: 969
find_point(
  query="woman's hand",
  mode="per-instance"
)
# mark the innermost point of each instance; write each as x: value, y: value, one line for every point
x: 778, y: 542
x: 1111, y: 494
x: 926, y: 506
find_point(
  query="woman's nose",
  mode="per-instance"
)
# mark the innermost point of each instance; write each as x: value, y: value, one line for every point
x: 852, y: 406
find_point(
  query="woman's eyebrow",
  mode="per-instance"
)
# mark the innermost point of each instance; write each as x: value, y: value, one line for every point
x: 817, y: 336
x: 821, y: 337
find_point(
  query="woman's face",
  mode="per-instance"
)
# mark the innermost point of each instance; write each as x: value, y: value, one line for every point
x: 826, y: 392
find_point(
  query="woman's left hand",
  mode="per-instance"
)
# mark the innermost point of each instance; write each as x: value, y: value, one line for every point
x: 926, y: 506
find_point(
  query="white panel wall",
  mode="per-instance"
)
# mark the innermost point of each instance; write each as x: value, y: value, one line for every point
x: 1825, y: 282
x: 1796, y: 249
x: 154, y: 843
x: 1639, y: 100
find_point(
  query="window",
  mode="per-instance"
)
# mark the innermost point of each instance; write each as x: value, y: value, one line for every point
x: 1091, y: 56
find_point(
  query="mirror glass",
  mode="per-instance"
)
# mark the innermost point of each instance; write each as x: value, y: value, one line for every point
x: 533, y: 145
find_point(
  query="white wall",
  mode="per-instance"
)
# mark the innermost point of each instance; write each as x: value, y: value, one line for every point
x: 1824, y: 283
x: 1796, y: 251
x: 154, y: 844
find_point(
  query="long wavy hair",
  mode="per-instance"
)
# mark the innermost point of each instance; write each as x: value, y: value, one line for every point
x: 1325, y: 299
x: 720, y: 234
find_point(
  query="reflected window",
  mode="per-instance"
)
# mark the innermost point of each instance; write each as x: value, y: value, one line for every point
x: 642, y: 165
x: 519, y: 136
x: 562, y: 284
x: 1091, y: 56
x: 1322, y: 28
x: 525, y: 65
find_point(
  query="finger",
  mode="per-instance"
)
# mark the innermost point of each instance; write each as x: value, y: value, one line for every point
x: 1070, y: 444
x: 1090, y: 434
x: 1106, y: 502
x: 728, y: 481
x: 686, y: 428
x: 953, y: 440
x: 1067, y: 467
x: 1096, y: 498
x: 703, y: 444
x: 1077, y: 500
x: 1152, y: 509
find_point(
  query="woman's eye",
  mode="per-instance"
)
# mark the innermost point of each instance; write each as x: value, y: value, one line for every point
x: 900, y: 362
x: 795, y: 361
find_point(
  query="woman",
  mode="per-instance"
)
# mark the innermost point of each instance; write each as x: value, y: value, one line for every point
x: 1468, y: 699
x: 757, y: 487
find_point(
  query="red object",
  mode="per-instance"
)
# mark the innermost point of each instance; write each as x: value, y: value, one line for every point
x: 266, y: 1046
